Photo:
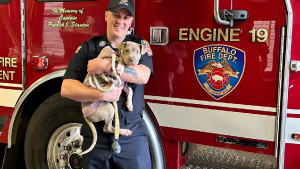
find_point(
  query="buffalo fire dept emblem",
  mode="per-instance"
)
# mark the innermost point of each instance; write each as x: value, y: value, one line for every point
x: 219, y: 68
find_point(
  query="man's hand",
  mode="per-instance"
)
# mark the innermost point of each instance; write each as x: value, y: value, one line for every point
x: 98, y: 65
x: 114, y: 94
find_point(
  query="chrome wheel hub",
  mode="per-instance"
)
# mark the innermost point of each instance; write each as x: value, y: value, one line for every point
x: 65, y: 141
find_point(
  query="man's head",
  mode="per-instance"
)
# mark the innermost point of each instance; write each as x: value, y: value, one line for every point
x: 119, y: 16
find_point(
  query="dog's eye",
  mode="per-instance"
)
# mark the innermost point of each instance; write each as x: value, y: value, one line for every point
x: 136, y: 51
x: 126, y: 50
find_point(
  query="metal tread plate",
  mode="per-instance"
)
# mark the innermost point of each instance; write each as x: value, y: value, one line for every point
x: 207, y: 157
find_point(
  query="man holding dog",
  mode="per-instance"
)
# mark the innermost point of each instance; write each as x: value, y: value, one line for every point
x: 135, y: 149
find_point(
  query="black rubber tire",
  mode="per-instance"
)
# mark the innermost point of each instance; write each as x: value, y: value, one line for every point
x: 49, y: 116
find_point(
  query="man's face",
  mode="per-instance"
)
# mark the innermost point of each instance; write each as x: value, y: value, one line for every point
x: 118, y: 22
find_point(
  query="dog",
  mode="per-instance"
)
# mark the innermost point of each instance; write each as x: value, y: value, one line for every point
x: 129, y: 54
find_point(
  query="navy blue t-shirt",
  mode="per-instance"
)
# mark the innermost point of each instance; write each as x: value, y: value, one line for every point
x: 77, y: 70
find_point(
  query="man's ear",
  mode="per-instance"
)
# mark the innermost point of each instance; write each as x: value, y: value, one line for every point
x: 143, y: 49
x: 106, y: 14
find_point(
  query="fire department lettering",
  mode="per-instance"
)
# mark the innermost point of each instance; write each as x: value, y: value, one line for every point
x: 209, y: 35
x: 6, y: 62
x: 219, y: 68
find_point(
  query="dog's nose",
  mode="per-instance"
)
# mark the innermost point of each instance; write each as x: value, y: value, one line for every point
x: 132, y: 60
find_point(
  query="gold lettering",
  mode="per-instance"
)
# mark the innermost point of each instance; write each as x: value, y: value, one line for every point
x: 6, y: 75
x: 204, y: 50
x: 54, y: 11
x: 207, y: 56
x: 213, y: 56
x: 56, y: 25
x: 13, y: 62
x: 208, y: 35
x: 221, y: 34
x: 7, y: 62
x: 64, y: 10
x: 77, y: 25
x: 201, y: 57
x: 234, y: 59
x: 223, y: 50
x: 233, y: 52
x: 220, y: 55
x: 193, y: 34
x: 225, y: 56
x: 214, y: 34
x: 67, y: 18
x: 233, y: 34
x: 214, y: 49
x: 181, y: 34
x: 12, y: 75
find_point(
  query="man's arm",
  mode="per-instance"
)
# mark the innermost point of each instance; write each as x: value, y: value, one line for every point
x: 138, y: 74
x: 75, y: 90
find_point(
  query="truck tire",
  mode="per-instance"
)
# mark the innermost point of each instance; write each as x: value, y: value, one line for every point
x: 53, y: 135
x: 53, y: 128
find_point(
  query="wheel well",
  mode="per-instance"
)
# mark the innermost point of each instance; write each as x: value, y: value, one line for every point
x: 32, y: 102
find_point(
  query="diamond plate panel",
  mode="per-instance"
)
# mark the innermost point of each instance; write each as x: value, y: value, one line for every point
x: 207, y: 157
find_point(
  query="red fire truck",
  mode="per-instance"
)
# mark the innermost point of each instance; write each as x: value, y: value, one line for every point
x: 224, y: 95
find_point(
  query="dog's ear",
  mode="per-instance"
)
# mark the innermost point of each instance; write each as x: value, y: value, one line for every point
x: 122, y: 46
x: 143, y: 49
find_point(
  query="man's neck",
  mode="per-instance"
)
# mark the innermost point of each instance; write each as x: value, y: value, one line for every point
x: 115, y: 41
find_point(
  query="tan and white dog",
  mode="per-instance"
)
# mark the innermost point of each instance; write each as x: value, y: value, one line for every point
x: 129, y: 54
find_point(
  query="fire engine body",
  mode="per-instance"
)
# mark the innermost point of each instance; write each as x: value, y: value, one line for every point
x: 231, y: 84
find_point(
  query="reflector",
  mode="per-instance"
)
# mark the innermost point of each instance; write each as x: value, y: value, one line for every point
x: 39, y: 62
x: 296, y: 136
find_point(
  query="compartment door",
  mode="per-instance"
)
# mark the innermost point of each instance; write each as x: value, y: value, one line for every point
x: 11, y: 84
x: 213, y: 84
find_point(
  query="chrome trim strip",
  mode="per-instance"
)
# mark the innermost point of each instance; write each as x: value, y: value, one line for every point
x: 213, y: 121
x: 288, y: 46
x: 293, y: 111
x: 50, y: 76
x: 281, y: 55
x: 157, y: 153
x: 11, y: 85
x: 23, y: 44
x: 210, y: 103
x: 217, y: 16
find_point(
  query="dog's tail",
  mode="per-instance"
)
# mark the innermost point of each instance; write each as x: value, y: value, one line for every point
x: 94, y: 137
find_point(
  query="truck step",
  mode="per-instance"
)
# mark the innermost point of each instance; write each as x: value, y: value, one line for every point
x: 207, y: 157
x: 201, y: 166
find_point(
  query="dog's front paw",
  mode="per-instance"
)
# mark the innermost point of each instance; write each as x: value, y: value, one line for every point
x: 125, y: 132
x: 129, y: 106
x: 120, y: 69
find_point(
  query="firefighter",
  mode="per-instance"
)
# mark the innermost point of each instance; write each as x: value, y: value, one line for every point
x: 134, y: 148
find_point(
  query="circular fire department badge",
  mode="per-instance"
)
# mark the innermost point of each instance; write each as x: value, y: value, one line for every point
x: 219, y: 68
x: 102, y: 43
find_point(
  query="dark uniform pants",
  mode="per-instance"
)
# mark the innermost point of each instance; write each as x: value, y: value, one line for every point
x: 134, y: 148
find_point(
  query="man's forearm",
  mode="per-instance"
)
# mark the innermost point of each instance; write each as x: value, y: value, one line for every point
x: 75, y: 90
x: 138, y: 74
